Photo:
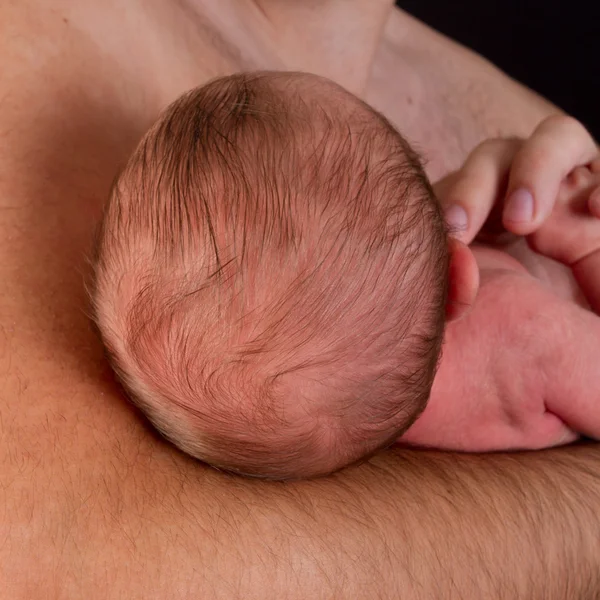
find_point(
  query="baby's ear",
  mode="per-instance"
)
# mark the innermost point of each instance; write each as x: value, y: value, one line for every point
x: 463, y: 280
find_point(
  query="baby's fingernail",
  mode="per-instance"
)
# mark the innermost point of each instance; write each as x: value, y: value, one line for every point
x: 519, y: 207
x: 456, y: 219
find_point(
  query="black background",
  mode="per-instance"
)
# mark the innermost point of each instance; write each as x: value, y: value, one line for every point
x: 553, y: 47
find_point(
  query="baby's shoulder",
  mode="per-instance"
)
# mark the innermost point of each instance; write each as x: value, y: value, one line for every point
x: 515, y: 308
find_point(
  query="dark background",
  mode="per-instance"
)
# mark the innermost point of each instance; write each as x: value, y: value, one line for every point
x: 553, y: 47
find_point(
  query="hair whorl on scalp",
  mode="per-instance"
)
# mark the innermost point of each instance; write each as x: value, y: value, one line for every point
x: 270, y: 274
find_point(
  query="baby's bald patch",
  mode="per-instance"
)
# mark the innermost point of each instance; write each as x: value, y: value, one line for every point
x: 270, y: 276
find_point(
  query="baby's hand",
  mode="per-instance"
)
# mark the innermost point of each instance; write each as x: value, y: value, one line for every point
x: 571, y: 234
x: 514, y: 183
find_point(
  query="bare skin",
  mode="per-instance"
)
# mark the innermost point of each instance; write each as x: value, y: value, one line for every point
x: 92, y: 504
x: 527, y: 356
x: 527, y: 350
x: 444, y: 98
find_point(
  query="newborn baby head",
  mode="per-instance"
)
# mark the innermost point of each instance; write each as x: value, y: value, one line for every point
x: 270, y: 277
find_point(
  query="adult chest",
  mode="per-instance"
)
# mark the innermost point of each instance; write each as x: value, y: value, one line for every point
x: 444, y: 98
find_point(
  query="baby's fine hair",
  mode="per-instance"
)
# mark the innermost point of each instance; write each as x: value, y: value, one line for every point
x: 270, y: 276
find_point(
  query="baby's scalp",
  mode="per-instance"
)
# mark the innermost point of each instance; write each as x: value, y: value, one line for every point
x: 271, y: 274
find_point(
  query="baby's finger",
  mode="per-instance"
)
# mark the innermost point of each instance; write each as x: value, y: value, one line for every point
x: 475, y: 189
x: 556, y: 147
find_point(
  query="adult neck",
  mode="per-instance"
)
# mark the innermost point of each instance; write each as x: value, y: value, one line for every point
x: 333, y: 38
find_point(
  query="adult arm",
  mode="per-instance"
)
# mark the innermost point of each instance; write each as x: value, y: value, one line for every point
x: 409, y: 525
